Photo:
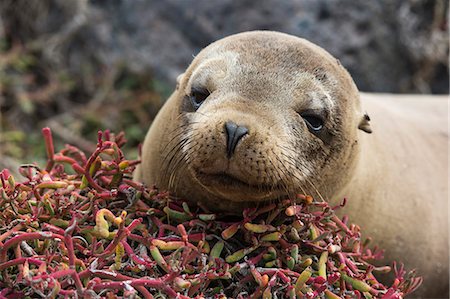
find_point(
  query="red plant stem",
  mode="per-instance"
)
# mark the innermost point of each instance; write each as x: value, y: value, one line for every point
x: 69, y: 243
x: 64, y: 159
x: 374, y: 292
x: 133, y: 184
x: 68, y: 272
x: 67, y: 293
x: 140, y: 239
x: 164, y: 227
x: 345, y: 219
x: 119, y: 152
x: 189, y: 254
x: 195, y: 237
x: 312, y: 245
x: 20, y: 261
x: 5, y: 292
x: 133, y: 225
x: 273, y: 279
x: 74, y: 151
x: 53, y: 229
x: 26, y: 237
x: 255, y: 260
x: 283, y: 277
x: 49, y: 147
x: 91, y: 181
x: 37, y: 195
x: 242, y: 281
x: 137, y: 259
x: 341, y: 258
x: 107, y: 194
x: 120, y: 235
x: 182, y: 232
x: 113, y: 276
x: 351, y: 265
x: 273, y: 271
x: 9, y: 232
x: 99, y: 138
x: 18, y: 254
x: 160, y: 225
x: 107, y: 173
x: 176, y: 206
x: 3, y: 176
x: 284, y: 244
x: 341, y: 225
x: 147, y: 282
x: 83, y: 206
x: 106, y: 133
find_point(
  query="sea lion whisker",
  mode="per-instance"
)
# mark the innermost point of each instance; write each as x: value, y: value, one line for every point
x: 289, y: 174
x: 305, y: 177
x: 175, y: 148
x: 176, y: 158
x: 182, y: 130
x: 182, y: 142
x: 277, y: 172
x: 292, y: 157
x: 173, y: 154
x: 180, y: 155
x: 178, y: 166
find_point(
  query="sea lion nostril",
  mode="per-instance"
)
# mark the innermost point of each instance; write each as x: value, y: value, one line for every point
x: 234, y: 134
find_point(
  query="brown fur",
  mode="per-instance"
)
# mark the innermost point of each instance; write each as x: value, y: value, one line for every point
x: 264, y: 80
x: 399, y: 191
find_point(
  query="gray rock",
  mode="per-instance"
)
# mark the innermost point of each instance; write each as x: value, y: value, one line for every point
x: 388, y: 46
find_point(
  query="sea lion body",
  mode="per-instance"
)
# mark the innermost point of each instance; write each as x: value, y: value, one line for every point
x: 399, y: 191
x: 260, y: 116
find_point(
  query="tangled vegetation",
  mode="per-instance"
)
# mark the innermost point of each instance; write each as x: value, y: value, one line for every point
x: 81, y: 228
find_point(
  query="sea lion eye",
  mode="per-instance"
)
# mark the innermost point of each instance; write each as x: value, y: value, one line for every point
x: 314, y: 122
x: 198, y: 96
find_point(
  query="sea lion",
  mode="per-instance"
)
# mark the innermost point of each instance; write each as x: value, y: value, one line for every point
x: 261, y: 115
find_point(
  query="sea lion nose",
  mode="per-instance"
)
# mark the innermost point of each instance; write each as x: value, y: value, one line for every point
x: 234, y: 134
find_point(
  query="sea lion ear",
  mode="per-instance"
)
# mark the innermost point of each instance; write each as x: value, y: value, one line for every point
x: 364, y: 124
x: 179, y: 78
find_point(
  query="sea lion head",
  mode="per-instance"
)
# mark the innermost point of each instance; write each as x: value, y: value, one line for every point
x: 257, y: 116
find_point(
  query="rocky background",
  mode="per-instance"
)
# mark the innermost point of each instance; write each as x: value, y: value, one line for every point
x: 79, y: 66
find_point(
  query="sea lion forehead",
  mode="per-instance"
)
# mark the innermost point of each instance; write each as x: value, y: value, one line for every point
x: 261, y: 65
x: 265, y: 55
x: 273, y: 49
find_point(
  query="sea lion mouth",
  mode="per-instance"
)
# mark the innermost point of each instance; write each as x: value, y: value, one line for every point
x: 232, y: 188
x: 222, y: 178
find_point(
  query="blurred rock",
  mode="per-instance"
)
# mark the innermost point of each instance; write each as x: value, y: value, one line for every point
x: 388, y: 46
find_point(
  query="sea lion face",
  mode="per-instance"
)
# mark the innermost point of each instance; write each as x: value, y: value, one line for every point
x: 263, y: 116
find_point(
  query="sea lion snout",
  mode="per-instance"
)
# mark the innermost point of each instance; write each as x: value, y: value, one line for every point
x: 234, y: 134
